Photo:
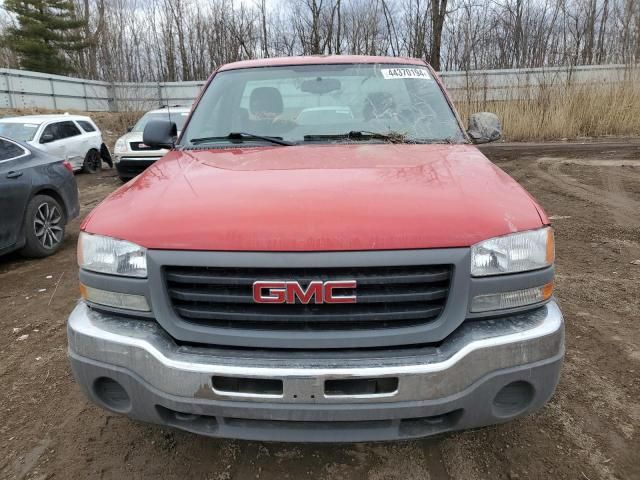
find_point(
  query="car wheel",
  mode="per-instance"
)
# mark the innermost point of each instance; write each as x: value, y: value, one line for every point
x: 92, y: 162
x: 44, y: 226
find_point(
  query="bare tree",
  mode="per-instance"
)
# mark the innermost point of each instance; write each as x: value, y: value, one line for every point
x: 263, y: 21
x: 169, y: 40
x: 438, y: 17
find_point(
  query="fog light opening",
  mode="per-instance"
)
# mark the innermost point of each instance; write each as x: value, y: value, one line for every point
x: 112, y: 394
x: 513, y: 398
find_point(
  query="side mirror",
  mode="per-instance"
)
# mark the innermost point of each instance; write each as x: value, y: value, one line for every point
x: 160, y: 134
x: 129, y: 128
x: 46, y: 138
x: 484, y: 127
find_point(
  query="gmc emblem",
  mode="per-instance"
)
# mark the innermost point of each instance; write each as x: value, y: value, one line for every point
x: 292, y: 292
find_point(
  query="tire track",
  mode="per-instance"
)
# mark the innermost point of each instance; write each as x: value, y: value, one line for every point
x: 614, y: 185
x: 623, y: 208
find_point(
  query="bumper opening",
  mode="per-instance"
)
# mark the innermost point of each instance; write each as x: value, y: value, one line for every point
x: 247, y: 386
x: 405, y: 427
x: 204, y: 424
x: 425, y: 426
x: 360, y: 386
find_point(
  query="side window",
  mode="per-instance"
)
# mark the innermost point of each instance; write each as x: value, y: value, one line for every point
x: 69, y: 129
x: 86, y: 126
x: 9, y: 150
x: 51, y: 133
x: 58, y: 131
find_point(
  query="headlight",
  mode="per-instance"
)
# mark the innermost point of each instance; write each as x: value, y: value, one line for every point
x: 108, y: 255
x: 121, y: 146
x: 517, y: 252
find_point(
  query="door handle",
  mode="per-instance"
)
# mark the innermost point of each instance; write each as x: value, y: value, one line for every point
x: 14, y: 174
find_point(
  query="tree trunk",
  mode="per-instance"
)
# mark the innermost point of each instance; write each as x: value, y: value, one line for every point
x: 438, y: 16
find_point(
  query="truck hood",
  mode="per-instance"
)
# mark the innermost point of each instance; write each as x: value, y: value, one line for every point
x: 317, y: 198
x: 131, y: 137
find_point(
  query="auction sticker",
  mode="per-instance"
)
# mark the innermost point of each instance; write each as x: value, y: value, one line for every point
x: 404, y: 72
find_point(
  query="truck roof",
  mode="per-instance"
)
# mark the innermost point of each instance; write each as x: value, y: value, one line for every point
x: 320, y: 60
x: 171, y: 109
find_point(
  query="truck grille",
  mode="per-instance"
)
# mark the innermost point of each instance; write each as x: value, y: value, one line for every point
x: 141, y: 147
x: 387, y: 297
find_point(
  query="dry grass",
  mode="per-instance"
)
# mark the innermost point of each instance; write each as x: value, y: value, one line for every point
x: 554, y: 112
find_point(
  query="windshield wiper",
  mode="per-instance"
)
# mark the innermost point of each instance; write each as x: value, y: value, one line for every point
x: 240, y: 137
x: 358, y: 135
x: 443, y: 141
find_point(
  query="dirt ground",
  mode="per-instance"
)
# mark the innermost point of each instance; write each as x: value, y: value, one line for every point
x: 590, y: 429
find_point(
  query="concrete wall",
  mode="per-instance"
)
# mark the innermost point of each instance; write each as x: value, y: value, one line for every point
x: 23, y: 89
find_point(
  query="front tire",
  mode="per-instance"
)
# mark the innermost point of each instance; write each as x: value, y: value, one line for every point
x: 44, y: 226
x: 92, y: 162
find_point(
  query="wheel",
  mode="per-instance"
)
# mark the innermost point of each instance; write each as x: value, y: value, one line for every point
x: 92, y: 162
x: 44, y: 225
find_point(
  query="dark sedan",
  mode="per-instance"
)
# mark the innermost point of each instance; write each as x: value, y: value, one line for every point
x: 38, y: 196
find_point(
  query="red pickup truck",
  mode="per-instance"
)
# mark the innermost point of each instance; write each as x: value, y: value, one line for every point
x: 323, y: 255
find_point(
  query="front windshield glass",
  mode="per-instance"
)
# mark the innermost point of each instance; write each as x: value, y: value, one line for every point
x: 324, y: 103
x: 22, y: 132
x: 176, y: 117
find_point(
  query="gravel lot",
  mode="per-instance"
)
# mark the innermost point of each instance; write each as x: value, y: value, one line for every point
x: 590, y: 429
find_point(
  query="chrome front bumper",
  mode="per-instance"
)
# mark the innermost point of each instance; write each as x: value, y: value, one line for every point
x: 450, y: 386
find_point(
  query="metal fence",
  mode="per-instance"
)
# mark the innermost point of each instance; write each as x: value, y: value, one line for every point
x: 24, y: 89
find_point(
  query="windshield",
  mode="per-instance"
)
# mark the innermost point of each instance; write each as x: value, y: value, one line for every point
x: 22, y: 132
x: 324, y: 103
x: 177, y: 117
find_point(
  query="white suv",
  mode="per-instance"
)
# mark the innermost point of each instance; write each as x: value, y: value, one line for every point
x: 132, y: 156
x: 72, y: 137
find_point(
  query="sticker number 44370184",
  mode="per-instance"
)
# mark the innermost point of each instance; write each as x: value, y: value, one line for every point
x: 404, y: 72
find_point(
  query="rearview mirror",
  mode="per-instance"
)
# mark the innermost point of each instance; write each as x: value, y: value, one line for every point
x: 160, y: 134
x: 484, y: 127
x: 46, y: 138
x: 321, y: 85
